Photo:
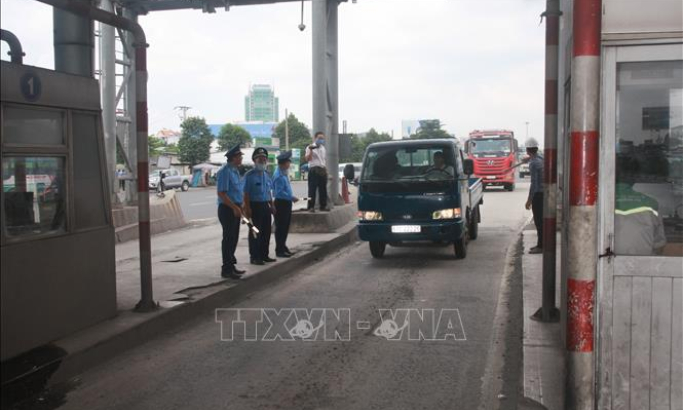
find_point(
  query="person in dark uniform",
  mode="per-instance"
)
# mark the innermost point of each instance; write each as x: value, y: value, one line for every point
x: 258, y: 205
x: 535, y: 199
x: 230, y: 200
x: 282, y: 191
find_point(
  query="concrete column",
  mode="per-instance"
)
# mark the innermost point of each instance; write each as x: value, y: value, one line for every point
x: 108, y: 96
x: 73, y: 43
x: 582, y: 247
x: 325, y: 86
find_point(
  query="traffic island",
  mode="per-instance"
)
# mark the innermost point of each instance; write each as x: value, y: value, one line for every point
x: 304, y: 221
x: 165, y: 215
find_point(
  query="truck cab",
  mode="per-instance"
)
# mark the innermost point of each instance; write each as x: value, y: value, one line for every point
x: 494, y: 153
x: 417, y: 190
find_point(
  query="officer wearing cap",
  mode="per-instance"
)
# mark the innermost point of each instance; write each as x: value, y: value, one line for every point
x: 535, y: 199
x: 258, y: 205
x: 282, y: 191
x: 230, y: 200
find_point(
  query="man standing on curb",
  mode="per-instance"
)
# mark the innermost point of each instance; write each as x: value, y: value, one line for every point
x: 258, y: 205
x: 317, y: 171
x: 535, y: 200
x: 282, y: 191
x: 230, y: 199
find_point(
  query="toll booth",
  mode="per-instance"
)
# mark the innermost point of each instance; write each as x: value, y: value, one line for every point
x: 58, y: 265
x: 638, y: 319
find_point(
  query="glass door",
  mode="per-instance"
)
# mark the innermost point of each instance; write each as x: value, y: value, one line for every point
x: 641, y: 229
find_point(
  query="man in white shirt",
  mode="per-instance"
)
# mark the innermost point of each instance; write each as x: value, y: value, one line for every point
x: 317, y: 171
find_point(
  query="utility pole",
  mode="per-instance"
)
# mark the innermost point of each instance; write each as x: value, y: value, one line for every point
x: 527, y: 131
x: 286, y: 130
x: 184, y: 109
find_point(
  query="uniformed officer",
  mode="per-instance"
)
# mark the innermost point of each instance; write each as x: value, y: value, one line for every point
x: 230, y: 200
x: 282, y: 191
x: 258, y: 205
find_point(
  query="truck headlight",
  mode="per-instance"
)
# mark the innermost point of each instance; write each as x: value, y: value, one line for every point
x: 370, y: 216
x: 450, y: 213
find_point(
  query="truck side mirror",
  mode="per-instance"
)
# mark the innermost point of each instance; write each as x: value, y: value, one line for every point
x: 468, y: 166
x: 349, y: 172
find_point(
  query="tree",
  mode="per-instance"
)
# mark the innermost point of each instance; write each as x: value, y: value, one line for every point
x: 155, y: 146
x: 195, y: 141
x: 358, y: 145
x: 430, y: 129
x: 231, y: 135
x: 299, y: 136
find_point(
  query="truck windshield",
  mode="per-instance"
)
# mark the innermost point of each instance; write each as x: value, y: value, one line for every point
x: 409, y: 163
x: 498, y: 147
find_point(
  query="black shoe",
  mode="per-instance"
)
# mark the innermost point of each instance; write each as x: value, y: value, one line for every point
x: 230, y: 275
x: 269, y: 259
x: 238, y: 271
x: 290, y: 253
x: 257, y: 262
x: 283, y: 255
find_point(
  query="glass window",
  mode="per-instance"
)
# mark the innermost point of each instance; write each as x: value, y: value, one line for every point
x: 33, y: 126
x: 88, y: 188
x: 649, y: 159
x: 409, y: 163
x: 34, y: 191
x: 491, y: 147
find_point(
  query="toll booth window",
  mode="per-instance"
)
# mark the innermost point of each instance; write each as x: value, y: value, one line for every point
x: 28, y: 126
x: 34, y: 196
x: 88, y: 196
x: 648, y: 216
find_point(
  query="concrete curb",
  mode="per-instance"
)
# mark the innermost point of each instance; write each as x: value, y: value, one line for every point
x: 166, y: 215
x: 129, y: 329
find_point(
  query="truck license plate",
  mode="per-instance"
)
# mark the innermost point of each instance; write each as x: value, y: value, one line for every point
x: 491, y: 177
x: 405, y: 229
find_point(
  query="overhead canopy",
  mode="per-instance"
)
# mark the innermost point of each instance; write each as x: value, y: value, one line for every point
x: 209, y: 6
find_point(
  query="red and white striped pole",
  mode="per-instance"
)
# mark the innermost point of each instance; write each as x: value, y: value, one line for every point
x: 548, y: 311
x: 582, y: 254
x: 146, y: 302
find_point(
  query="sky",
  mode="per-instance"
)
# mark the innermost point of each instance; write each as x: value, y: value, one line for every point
x: 473, y: 64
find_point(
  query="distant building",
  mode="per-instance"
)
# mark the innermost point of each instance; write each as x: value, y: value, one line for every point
x: 170, y: 137
x: 262, y: 133
x: 261, y: 104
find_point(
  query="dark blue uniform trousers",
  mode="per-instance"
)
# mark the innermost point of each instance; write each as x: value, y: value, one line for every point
x: 261, y: 217
x: 231, y: 231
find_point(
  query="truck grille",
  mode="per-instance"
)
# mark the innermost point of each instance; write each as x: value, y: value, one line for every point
x: 491, y: 166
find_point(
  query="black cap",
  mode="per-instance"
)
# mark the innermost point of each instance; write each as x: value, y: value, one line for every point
x: 284, y: 157
x: 234, y: 151
x: 259, y: 152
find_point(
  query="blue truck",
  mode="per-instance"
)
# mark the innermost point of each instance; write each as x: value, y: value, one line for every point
x: 417, y: 190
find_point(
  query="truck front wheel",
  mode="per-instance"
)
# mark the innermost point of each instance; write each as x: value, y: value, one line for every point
x: 377, y: 249
x: 185, y: 186
x: 474, y: 223
x: 460, y: 247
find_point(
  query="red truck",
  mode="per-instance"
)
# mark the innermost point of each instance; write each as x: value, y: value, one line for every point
x: 494, y: 153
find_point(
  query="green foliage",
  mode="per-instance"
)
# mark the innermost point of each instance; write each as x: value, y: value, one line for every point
x: 231, y: 135
x: 195, y: 141
x: 171, y: 149
x: 358, y: 145
x: 430, y: 129
x: 299, y: 136
x: 156, y: 146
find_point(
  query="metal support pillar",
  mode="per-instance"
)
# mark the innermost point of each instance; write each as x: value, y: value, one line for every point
x: 74, y: 42
x: 582, y: 246
x: 548, y: 311
x: 130, y: 136
x: 108, y: 97
x: 325, y: 87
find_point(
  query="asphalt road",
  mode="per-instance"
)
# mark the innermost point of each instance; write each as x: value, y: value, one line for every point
x: 191, y: 368
x: 200, y: 203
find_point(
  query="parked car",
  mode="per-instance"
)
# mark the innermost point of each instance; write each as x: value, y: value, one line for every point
x: 171, y: 179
